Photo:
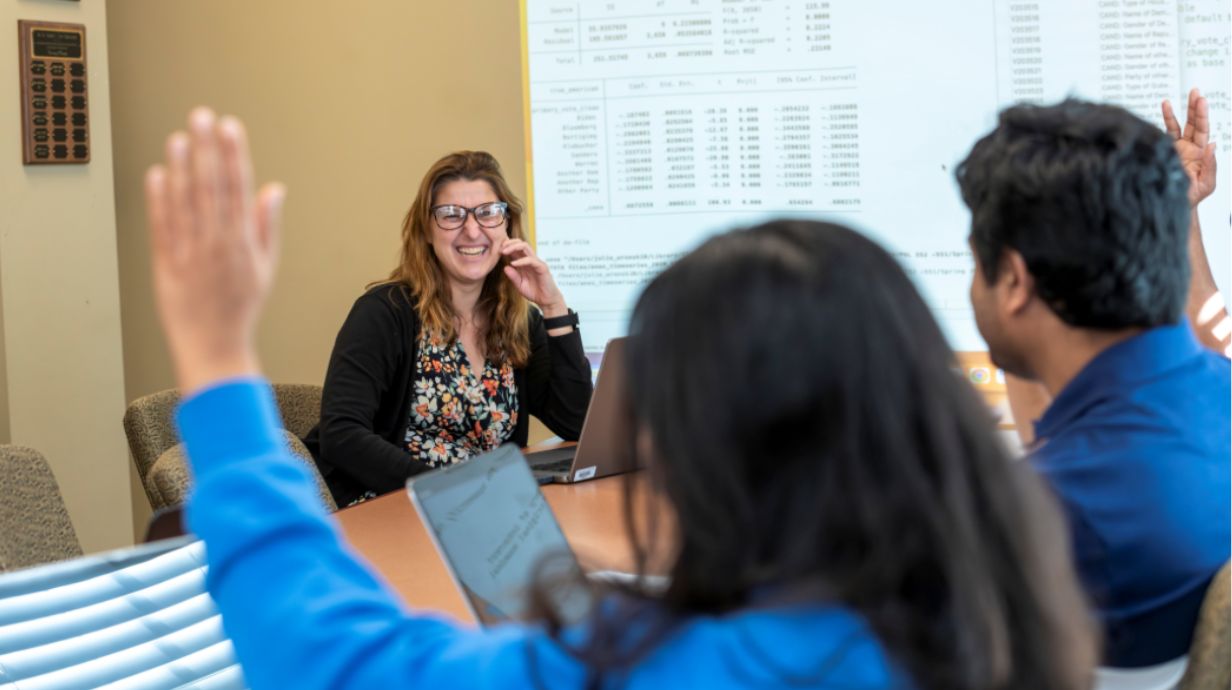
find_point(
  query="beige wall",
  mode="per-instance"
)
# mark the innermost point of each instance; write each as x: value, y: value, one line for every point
x: 63, y: 385
x: 347, y: 103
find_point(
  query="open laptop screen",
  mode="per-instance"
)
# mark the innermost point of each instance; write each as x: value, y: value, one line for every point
x: 496, y: 534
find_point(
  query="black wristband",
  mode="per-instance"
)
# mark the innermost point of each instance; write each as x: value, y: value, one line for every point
x: 570, y: 319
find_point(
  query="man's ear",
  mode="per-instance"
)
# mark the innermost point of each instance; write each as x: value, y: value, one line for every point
x: 1015, y: 284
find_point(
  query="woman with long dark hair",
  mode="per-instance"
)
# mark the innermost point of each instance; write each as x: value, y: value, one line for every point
x: 841, y: 513
x: 801, y: 414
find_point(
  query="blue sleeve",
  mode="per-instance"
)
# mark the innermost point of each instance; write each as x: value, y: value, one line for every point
x: 301, y: 609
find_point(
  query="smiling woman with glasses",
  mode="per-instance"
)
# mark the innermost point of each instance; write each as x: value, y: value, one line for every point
x: 447, y: 358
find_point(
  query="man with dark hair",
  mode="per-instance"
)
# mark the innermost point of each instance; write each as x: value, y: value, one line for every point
x: 1081, y: 229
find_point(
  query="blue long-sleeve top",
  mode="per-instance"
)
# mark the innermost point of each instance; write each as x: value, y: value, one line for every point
x: 1136, y: 448
x: 304, y: 612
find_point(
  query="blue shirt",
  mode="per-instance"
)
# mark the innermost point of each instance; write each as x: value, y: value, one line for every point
x: 1137, y: 449
x: 304, y: 613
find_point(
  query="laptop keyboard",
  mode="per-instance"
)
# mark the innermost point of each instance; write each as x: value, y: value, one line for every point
x: 558, y: 467
x: 557, y: 460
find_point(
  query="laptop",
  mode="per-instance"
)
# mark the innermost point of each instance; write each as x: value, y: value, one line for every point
x: 603, y: 448
x: 496, y: 534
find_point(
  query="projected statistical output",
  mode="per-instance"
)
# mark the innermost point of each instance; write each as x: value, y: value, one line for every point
x: 656, y: 123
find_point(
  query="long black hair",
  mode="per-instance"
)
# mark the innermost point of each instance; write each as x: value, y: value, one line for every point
x: 812, y: 439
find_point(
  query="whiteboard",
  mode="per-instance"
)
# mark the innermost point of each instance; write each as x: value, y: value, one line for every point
x: 654, y: 124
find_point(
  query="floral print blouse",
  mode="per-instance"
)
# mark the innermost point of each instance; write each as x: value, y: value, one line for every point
x: 457, y: 415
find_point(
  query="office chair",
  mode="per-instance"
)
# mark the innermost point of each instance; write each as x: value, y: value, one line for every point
x: 34, y: 524
x: 1206, y: 667
x: 170, y: 480
x: 159, y: 457
x: 1208, y: 655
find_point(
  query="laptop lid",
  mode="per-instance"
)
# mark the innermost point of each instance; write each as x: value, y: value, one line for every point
x: 604, y: 447
x: 496, y: 534
x: 606, y: 441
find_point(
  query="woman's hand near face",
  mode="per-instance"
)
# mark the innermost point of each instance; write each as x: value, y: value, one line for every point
x: 214, y: 249
x: 532, y: 278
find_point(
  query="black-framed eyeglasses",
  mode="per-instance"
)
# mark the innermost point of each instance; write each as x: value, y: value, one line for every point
x: 452, y: 216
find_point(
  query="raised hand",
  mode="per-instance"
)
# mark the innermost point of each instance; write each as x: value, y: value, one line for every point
x: 214, y: 249
x: 532, y: 278
x: 1193, y: 145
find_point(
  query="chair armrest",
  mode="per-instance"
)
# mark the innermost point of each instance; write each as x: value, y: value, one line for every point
x: 170, y: 478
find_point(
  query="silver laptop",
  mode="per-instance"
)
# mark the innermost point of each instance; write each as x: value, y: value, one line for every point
x: 497, y: 535
x: 603, y: 449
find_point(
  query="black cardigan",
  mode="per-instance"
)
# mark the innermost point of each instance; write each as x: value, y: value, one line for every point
x: 359, y: 445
